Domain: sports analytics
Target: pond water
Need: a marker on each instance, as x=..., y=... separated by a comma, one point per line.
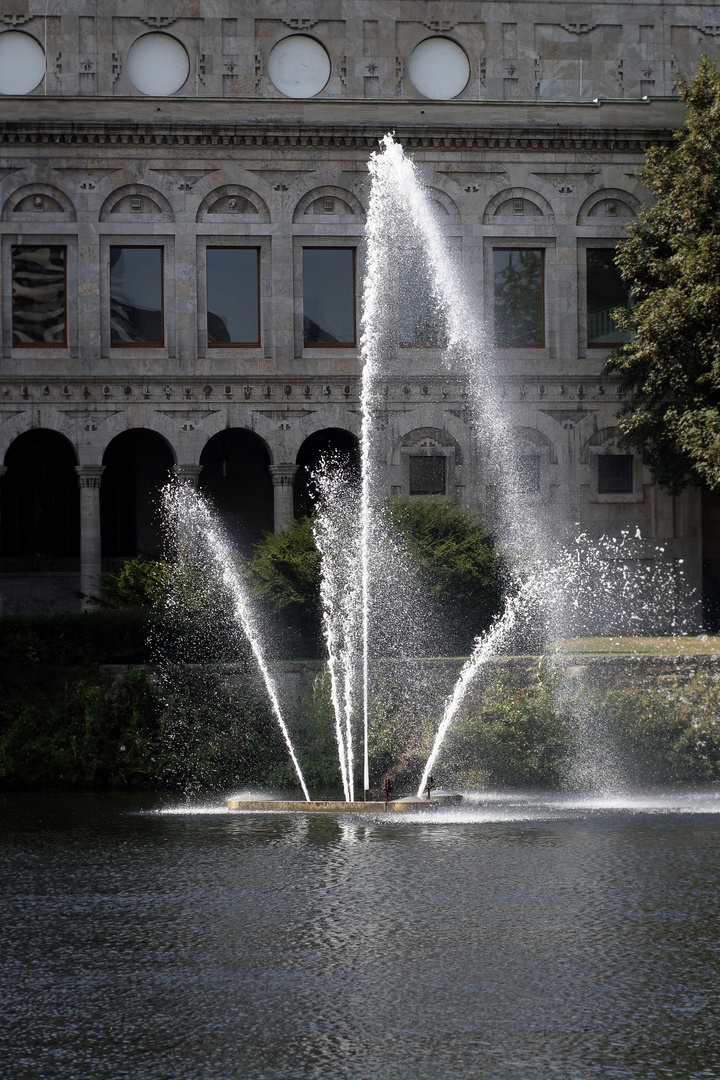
x=518, y=937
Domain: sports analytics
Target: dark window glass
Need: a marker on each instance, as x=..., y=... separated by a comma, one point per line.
x=615, y=474
x=519, y=307
x=427, y=475
x=527, y=471
x=136, y=296
x=605, y=290
x=421, y=319
x=329, y=296
x=38, y=295
x=233, y=296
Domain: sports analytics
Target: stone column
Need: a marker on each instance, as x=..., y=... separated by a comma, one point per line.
x=3, y=470
x=188, y=474
x=89, y=477
x=282, y=478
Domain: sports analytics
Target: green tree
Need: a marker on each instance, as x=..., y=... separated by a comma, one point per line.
x=286, y=575
x=459, y=562
x=670, y=367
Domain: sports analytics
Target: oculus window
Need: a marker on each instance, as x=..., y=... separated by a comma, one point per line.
x=439, y=68
x=299, y=66
x=22, y=62
x=136, y=296
x=605, y=290
x=427, y=474
x=38, y=295
x=233, y=296
x=615, y=474
x=519, y=297
x=421, y=319
x=329, y=296
x=157, y=64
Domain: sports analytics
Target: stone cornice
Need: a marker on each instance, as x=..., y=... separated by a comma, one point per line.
x=526, y=136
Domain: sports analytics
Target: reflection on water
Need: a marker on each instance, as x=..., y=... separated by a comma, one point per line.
x=523, y=937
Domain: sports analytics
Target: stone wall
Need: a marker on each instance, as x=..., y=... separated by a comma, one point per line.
x=554, y=120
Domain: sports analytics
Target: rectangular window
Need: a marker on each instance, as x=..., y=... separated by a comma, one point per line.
x=38, y=296
x=615, y=474
x=605, y=290
x=233, y=296
x=136, y=296
x=427, y=475
x=519, y=297
x=527, y=474
x=421, y=320
x=329, y=297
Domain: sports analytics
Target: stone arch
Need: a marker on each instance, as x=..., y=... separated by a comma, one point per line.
x=502, y=206
x=601, y=439
x=138, y=463
x=159, y=423
x=444, y=204
x=427, y=458
x=427, y=436
x=235, y=476
x=38, y=202
x=52, y=420
x=533, y=437
x=345, y=204
x=218, y=205
x=321, y=443
x=608, y=206
x=40, y=502
x=136, y=201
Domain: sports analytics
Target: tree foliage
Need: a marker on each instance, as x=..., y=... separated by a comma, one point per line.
x=459, y=562
x=671, y=366
x=454, y=552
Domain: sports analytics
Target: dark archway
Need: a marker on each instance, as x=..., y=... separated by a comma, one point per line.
x=335, y=444
x=138, y=463
x=235, y=477
x=40, y=504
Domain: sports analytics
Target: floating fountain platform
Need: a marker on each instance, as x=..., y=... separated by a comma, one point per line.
x=301, y=806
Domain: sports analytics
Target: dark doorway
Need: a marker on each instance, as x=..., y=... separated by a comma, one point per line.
x=334, y=444
x=711, y=560
x=40, y=504
x=235, y=477
x=138, y=464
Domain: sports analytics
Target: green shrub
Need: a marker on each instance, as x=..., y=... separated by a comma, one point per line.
x=515, y=739
x=75, y=730
x=216, y=734
x=139, y=583
x=459, y=563
x=95, y=637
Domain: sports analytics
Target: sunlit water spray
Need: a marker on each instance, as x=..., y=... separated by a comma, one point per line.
x=194, y=528
x=561, y=584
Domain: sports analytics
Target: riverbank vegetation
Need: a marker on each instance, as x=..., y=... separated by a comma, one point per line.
x=196, y=728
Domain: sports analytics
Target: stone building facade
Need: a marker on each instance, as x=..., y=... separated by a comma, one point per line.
x=136, y=146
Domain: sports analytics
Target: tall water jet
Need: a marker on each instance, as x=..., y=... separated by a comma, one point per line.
x=336, y=529
x=194, y=528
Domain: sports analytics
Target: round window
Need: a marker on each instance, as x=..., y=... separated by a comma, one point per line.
x=299, y=66
x=157, y=64
x=439, y=68
x=22, y=63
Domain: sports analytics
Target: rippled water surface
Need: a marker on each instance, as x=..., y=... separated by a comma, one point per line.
x=513, y=938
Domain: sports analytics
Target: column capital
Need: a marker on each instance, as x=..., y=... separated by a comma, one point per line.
x=283, y=475
x=89, y=476
x=3, y=470
x=187, y=474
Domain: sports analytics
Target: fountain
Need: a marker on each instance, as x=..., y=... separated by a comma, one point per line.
x=559, y=581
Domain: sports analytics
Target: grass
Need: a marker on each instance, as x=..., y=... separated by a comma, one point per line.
x=695, y=645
